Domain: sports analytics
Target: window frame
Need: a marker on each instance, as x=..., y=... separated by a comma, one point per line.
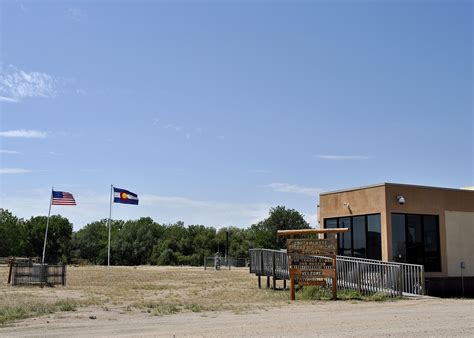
x=366, y=226
x=422, y=217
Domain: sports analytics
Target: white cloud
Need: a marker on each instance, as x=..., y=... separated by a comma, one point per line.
x=13, y=171
x=23, y=133
x=343, y=157
x=81, y=91
x=4, y=151
x=295, y=189
x=7, y=99
x=17, y=84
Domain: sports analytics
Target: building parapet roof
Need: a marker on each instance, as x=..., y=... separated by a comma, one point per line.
x=393, y=184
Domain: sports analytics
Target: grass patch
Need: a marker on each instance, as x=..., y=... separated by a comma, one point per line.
x=66, y=305
x=9, y=313
x=194, y=307
x=323, y=293
x=166, y=309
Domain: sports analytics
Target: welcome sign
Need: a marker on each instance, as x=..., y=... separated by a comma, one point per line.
x=312, y=261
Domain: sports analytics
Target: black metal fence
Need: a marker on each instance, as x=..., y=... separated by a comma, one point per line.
x=22, y=273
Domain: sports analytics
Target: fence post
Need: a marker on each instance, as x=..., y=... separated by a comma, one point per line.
x=423, y=291
x=400, y=280
x=10, y=265
x=358, y=277
x=274, y=270
x=205, y=262
x=64, y=274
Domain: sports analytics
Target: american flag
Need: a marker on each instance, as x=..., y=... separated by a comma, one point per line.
x=63, y=198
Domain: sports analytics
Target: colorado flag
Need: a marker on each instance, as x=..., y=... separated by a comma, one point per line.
x=125, y=196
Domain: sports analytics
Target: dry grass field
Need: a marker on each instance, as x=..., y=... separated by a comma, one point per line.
x=155, y=290
x=191, y=301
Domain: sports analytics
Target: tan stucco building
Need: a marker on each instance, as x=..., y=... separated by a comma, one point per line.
x=408, y=223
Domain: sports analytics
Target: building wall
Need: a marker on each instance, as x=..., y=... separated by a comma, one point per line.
x=361, y=202
x=460, y=242
x=429, y=201
x=419, y=200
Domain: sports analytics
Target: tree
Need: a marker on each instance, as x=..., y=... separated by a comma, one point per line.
x=12, y=234
x=91, y=242
x=59, y=238
x=264, y=233
x=136, y=241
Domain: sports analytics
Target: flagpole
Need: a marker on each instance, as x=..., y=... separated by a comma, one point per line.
x=110, y=218
x=47, y=224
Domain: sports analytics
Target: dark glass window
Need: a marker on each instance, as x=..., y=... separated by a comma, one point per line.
x=431, y=243
x=398, y=238
x=330, y=223
x=345, y=240
x=374, y=237
x=415, y=239
x=364, y=238
x=359, y=236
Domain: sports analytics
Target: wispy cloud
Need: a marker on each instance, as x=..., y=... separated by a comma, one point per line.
x=260, y=171
x=293, y=188
x=172, y=126
x=4, y=151
x=75, y=14
x=17, y=84
x=14, y=171
x=23, y=133
x=343, y=157
x=8, y=99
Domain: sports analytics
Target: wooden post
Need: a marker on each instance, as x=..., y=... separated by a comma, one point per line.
x=268, y=282
x=292, y=288
x=284, y=283
x=10, y=270
x=259, y=281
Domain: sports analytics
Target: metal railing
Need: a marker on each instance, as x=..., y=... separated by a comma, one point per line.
x=367, y=276
x=213, y=261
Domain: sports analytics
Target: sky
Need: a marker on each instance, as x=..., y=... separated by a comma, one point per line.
x=214, y=112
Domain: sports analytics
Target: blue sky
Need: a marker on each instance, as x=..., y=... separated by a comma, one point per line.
x=212, y=112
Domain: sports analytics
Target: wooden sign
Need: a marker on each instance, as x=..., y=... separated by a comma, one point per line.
x=311, y=261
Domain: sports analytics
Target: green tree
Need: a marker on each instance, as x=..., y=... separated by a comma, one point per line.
x=264, y=233
x=91, y=242
x=136, y=241
x=59, y=238
x=12, y=234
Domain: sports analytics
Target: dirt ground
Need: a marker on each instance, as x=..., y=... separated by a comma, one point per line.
x=151, y=301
